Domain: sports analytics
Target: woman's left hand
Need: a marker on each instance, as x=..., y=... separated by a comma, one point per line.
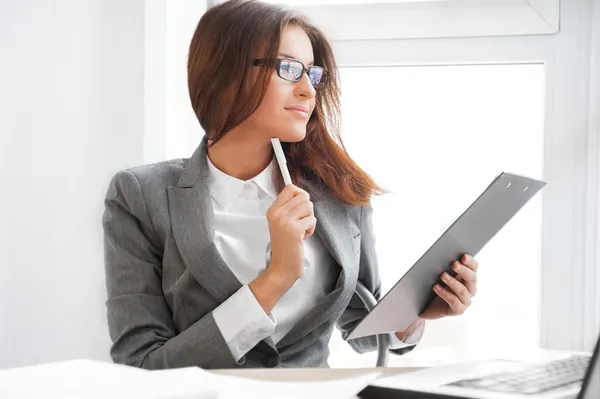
x=456, y=298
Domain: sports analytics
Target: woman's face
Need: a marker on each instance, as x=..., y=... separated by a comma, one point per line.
x=287, y=106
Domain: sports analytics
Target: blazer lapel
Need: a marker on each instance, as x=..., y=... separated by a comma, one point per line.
x=335, y=230
x=192, y=221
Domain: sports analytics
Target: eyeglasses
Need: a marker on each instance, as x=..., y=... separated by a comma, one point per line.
x=292, y=70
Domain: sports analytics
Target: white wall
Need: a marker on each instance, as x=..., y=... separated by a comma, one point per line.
x=71, y=114
x=592, y=285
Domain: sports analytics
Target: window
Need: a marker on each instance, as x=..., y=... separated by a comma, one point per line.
x=436, y=137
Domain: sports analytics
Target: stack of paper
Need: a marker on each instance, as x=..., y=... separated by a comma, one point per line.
x=92, y=379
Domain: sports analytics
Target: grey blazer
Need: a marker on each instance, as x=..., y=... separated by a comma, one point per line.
x=164, y=274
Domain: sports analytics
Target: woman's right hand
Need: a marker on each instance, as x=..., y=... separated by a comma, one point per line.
x=291, y=221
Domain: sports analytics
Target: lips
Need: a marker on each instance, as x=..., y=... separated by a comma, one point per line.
x=301, y=109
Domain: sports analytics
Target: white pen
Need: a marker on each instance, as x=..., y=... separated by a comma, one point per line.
x=281, y=161
x=287, y=179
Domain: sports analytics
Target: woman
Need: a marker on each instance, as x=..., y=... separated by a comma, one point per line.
x=191, y=280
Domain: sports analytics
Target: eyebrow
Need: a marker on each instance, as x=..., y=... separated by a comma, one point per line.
x=291, y=56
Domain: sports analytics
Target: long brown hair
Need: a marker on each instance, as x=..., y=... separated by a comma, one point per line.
x=221, y=54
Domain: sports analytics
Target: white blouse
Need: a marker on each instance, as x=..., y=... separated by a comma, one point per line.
x=242, y=237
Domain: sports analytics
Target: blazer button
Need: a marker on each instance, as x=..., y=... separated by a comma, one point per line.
x=273, y=361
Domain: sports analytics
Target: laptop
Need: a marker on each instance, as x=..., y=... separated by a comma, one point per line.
x=575, y=376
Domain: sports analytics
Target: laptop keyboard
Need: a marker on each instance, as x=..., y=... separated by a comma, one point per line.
x=534, y=380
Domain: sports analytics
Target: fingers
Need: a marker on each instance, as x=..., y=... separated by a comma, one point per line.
x=468, y=277
x=460, y=289
x=302, y=210
x=457, y=288
x=293, y=203
x=288, y=199
x=304, y=213
x=455, y=304
x=470, y=262
x=290, y=191
x=293, y=206
x=456, y=295
x=308, y=224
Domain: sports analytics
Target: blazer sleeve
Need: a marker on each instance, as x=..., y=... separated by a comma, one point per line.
x=139, y=320
x=369, y=276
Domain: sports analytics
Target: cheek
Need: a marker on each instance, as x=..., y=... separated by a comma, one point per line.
x=270, y=103
x=269, y=112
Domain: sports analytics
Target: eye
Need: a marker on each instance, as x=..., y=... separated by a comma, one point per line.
x=315, y=74
x=295, y=69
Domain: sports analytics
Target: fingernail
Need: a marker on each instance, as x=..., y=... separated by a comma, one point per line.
x=467, y=258
x=456, y=267
x=437, y=287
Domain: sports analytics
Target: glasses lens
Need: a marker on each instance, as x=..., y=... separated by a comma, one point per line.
x=291, y=70
x=318, y=76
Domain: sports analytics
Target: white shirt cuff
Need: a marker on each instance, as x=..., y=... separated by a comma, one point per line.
x=412, y=339
x=243, y=322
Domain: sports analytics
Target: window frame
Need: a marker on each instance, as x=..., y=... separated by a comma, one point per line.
x=436, y=19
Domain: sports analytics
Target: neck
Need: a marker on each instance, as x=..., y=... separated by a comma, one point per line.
x=242, y=156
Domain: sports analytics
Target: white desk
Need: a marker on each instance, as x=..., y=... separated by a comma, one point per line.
x=310, y=374
x=100, y=380
x=320, y=374
x=324, y=374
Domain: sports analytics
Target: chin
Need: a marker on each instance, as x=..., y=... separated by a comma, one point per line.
x=293, y=136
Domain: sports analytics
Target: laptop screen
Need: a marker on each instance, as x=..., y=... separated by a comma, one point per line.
x=591, y=383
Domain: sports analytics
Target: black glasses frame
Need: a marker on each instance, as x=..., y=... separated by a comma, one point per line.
x=276, y=62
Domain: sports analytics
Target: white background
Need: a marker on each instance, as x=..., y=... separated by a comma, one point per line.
x=92, y=87
x=71, y=115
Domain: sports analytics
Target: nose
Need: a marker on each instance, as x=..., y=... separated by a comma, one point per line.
x=304, y=87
